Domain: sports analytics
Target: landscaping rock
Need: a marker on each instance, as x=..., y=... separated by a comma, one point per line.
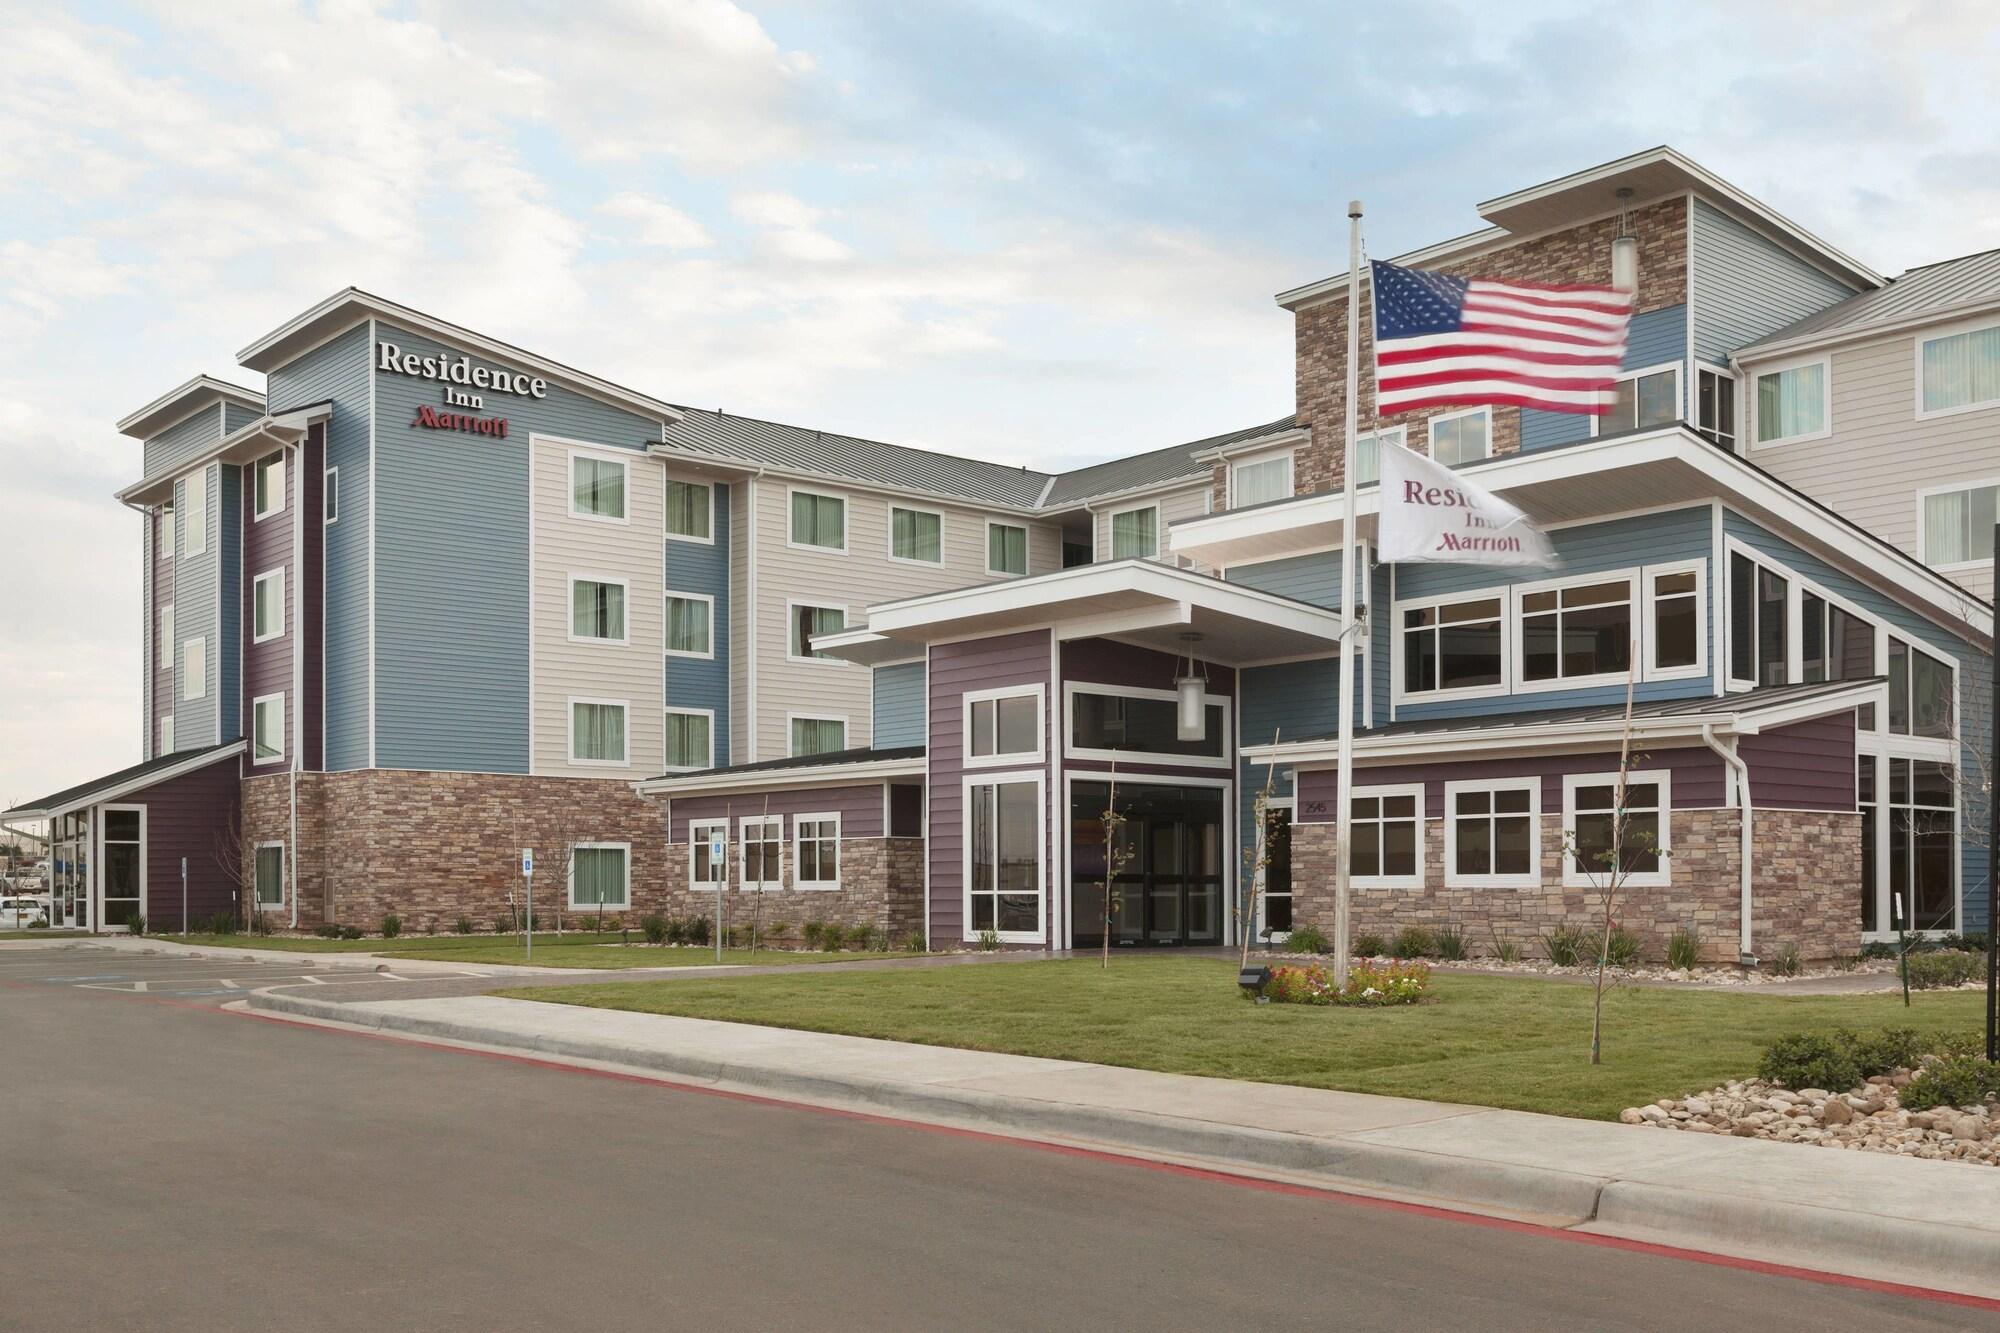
x=1836, y=1112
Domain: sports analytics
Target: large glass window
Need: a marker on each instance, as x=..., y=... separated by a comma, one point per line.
x=270, y=886
x=1961, y=370
x=689, y=509
x=600, y=875
x=916, y=535
x=1958, y=525
x=1865, y=802
x=688, y=739
x=763, y=842
x=1260, y=481
x=690, y=629
x=124, y=869
x=1003, y=727
x=1135, y=534
x=1642, y=842
x=268, y=482
x=194, y=508
x=1652, y=399
x=1578, y=631
x=1920, y=693
x=1386, y=828
x=704, y=873
x=1461, y=437
x=1715, y=408
x=597, y=487
x=1677, y=620
x=1742, y=618
x=1453, y=646
x=1004, y=843
x=1006, y=548
x=1133, y=724
x=818, y=735
x=1923, y=844
x=267, y=729
x=597, y=609
x=810, y=620
x=267, y=606
x=1773, y=593
x=1492, y=832
x=1791, y=403
x=819, y=520
x=817, y=853
x=1368, y=453
x=596, y=732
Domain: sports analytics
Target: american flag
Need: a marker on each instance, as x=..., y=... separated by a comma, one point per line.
x=1441, y=340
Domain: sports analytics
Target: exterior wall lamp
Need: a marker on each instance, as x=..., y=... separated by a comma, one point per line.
x=1191, y=697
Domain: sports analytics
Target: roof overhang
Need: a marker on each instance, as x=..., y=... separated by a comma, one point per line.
x=178, y=404
x=780, y=779
x=1758, y=353
x=1296, y=435
x=242, y=445
x=1602, y=479
x=350, y=305
x=1142, y=602
x=113, y=788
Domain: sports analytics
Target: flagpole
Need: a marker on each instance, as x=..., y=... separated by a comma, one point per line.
x=1344, y=770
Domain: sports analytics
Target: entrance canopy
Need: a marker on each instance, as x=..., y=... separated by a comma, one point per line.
x=1136, y=601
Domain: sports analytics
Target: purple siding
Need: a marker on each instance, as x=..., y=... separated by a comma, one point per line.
x=267, y=667
x=161, y=663
x=1807, y=766
x=1698, y=778
x=1103, y=662
x=311, y=570
x=859, y=806
x=954, y=670
x=189, y=816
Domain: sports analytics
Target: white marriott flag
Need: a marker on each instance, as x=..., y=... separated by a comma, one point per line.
x=1432, y=514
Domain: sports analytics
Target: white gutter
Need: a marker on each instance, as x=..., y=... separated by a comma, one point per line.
x=297, y=645
x=780, y=779
x=1741, y=772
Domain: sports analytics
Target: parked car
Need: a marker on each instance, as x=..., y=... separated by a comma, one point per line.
x=21, y=912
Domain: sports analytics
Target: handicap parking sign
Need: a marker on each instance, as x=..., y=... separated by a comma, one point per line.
x=716, y=848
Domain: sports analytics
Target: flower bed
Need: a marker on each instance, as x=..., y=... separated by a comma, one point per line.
x=1367, y=984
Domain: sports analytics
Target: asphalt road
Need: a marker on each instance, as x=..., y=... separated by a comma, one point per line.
x=168, y=1164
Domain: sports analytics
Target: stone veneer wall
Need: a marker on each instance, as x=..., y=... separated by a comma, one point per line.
x=1806, y=889
x=881, y=885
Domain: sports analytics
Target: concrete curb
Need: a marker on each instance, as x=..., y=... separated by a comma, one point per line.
x=335, y=959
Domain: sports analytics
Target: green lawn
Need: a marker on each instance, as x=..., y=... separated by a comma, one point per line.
x=571, y=949
x=1492, y=1041
x=42, y=934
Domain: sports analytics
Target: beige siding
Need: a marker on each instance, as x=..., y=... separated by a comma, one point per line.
x=1879, y=455
x=1190, y=501
x=565, y=544
x=862, y=577
x=740, y=598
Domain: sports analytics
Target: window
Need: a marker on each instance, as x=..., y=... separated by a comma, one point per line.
x=600, y=875
x=267, y=606
x=1865, y=802
x=1959, y=370
x=1003, y=725
x=1003, y=855
x=1453, y=645
x=165, y=656
x=597, y=731
x=268, y=483
x=1590, y=806
x=1386, y=826
x=1644, y=398
x=690, y=625
x=763, y=843
x=267, y=728
x=689, y=733
x=1006, y=548
x=1792, y=403
x=1677, y=638
x=597, y=488
x=702, y=872
x=1461, y=437
x=1135, y=534
x=1759, y=602
x=333, y=495
x=1104, y=725
x=819, y=521
x=690, y=511
x=167, y=531
x=1492, y=838
x=818, y=735
x=1576, y=632
x=916, y=535
x=1923, y=844
x=167, y=734
x=1920, y=693
x=270, y=887
x=1260, y=480
x=597, y=609
x=816, y=852
x=1368, y=453
x=1715, y=407
x=194, y=504
x=1957, y=526
x=810, y=620
x=1773, y=593
x=194, y=669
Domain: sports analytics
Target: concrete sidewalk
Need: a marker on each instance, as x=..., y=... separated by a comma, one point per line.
x=1934, y=1224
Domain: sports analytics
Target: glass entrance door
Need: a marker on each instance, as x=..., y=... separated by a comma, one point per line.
x=69, y=872
x=1167, y=887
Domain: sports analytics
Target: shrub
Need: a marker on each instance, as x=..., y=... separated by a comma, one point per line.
x=136, y=924
x=39, y=923
x=1931, y=971
x=1788, y=963
x=1891, y=1048
x=463, y=925
x=777, y=930
x=698, y=930
x=327, y=930
x=1309, y=939
x=1970, y=942
x=1450, y=944
x=912, y=942
x=677, y=930
x=989, y=939
x=1366, y=945
x=223, y=923
x=1414, y=942
x=350, y=932
x=1507, y=951
x=654, y=927
x=1565, y=945
x=1622, y=948
x=392, y=926
x=1684, y=948
x=1367, y=984
x=1951, y=1080
x=1878, y=949
x=1812, y=1060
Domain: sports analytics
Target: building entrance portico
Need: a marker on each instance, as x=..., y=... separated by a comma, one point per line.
x=1168, y=888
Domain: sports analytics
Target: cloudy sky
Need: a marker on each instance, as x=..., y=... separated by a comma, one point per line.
x=1043, y=232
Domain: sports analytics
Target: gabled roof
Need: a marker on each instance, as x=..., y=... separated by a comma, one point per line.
x=123, y=782
x=1923, y=295
x=185, y=400
x=1174, y=463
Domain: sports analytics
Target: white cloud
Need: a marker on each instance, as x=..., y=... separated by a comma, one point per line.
x=656, y=222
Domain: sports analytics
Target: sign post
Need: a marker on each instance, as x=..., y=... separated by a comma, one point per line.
x=528, y=873
x=1993, y=850
x=184, y=895
x=718, y=852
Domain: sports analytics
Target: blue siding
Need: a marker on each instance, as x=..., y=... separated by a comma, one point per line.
x=1316, y=578
x=337, y=371
x=1680, y=534
x=180, y=442
x=691, y=567
x=1657, y=337
x=451, y=567
x=1290, y=700
x=235, y=417
x=229, y=616
x=899, y=705
x=1546, y=430
x=1746, y=286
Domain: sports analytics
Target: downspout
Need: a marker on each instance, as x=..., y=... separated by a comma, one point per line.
x=296, y=642
x=1741, y=771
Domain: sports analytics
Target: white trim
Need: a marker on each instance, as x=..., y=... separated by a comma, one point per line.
x=214, y=391
x=1975, y=325
x=257, y=904
x=625, y=903
x=1648, y=626
x=571, y=579
x=1072, y=688
x=698, y=847
x=198, y=678
x=764, y=823
x=709, y=714
x=846, y=518
x=1111, y=517
x=799, y=881
x=1027, y=549
x=1923, y=532
x=708, y=598
x=791, y=717
x=667, y=509
x=1001, y=778
x=792, y=604
x=1286, y=455
x=1414, y=880
x=791, y=777
x=889, y=548
x=1288, y=437
x=1010, y=758
x=1752, y=429
x=1433, y=422
x=569, y=728
x=1575, y=876
x=1533, y=878
x=256, y=705
x=599, y=453
x=255, y=584
x=284, y=479
x=1643, y=372
x=102, y=862
x=1634, y=602
x=329, y=495
x=1398, y=658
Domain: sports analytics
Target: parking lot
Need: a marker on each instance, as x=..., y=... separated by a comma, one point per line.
x=186, y=979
